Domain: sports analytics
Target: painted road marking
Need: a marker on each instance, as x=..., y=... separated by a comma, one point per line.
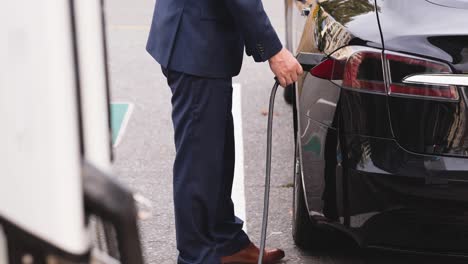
x=120, y=115
x=238, y=193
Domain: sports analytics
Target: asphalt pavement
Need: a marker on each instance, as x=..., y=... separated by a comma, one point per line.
x=143, y=159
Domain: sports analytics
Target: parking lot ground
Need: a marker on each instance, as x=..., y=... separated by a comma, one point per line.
x=145, y=153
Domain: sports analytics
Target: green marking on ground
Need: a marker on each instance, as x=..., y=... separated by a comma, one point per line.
x=118, y=112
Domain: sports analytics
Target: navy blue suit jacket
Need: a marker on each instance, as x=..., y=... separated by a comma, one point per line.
x=207, y=37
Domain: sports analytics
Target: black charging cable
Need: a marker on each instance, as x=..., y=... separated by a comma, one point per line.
x=266, y=199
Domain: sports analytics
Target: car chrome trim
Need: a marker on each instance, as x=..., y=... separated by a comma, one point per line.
x=438, y=79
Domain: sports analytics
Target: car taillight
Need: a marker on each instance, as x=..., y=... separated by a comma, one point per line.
x=324, y=70
x=402, y=66
x=362, y=69
x=354, y=69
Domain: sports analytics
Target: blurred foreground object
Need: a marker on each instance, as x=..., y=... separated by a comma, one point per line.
x=58, y=201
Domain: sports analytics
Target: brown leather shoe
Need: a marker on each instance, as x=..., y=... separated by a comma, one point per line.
x=250, y=254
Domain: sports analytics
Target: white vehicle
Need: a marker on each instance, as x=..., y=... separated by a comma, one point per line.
x=55, y=136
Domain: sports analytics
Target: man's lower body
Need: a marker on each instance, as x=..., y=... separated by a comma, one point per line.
x=208, y=232
x=206, y=226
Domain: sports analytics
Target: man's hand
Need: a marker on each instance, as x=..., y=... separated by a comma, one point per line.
x=285, y=67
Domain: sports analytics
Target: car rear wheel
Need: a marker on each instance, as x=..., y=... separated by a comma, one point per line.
x=306, y=233
x=302, y=227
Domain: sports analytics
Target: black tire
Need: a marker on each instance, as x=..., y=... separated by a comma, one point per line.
x=306, y=233
x=302, y=227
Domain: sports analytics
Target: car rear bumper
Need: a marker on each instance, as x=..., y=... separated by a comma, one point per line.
x=393, y=198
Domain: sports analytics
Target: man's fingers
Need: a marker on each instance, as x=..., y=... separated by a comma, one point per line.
x=289, y=81
x=299, y=70
x=294, y=76
x=286, y=68
x=282, y=81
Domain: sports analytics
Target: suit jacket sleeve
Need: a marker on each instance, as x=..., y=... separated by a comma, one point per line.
x=260, y=38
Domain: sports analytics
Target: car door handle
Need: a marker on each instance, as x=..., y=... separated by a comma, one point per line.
x=438, y=79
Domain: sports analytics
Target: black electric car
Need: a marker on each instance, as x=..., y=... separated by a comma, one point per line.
x=381, y=123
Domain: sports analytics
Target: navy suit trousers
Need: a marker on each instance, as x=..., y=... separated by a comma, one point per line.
x=206, y=225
